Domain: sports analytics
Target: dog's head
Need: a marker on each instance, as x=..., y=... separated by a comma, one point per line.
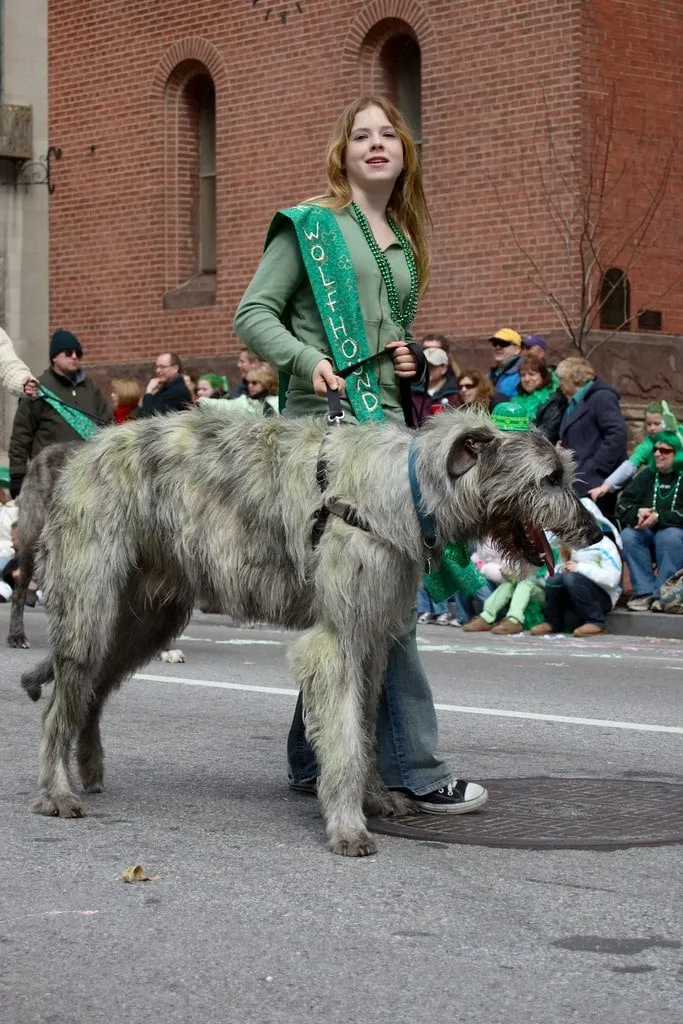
x=513, y=487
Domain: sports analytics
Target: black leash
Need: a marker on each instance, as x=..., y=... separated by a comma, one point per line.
x=335, y=418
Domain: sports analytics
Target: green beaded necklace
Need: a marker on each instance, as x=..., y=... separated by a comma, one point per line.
x=660, y=488
x=405, y=316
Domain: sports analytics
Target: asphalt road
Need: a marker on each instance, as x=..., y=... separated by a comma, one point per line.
x=252, y=920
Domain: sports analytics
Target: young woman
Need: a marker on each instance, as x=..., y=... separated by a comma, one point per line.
x=345, y=272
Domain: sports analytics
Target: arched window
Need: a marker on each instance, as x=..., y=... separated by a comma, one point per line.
x=400, y=60
x=615, y=300
x=190, y=124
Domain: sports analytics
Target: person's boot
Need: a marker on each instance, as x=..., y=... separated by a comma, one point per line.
x=589, y=629
x=542, y=629
x=477, y=625
x=507, y=627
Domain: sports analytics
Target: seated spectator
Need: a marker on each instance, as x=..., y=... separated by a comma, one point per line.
x=246, y=361
x=522, y=598
x=585, y=586
x=441, y=388
x=211, y=385
x=474, y=389
x=593, y=427
x=650, y=513
x=506, y=346
x=11, y=571
x=125, y=399
x=167, y=390
x=438, y=341
x=658, y=416
x=262, y=386
x=487, y=560
x=535, y=345
x=536, y=385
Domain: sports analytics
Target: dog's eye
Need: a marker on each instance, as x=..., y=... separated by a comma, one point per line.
x=554, y=478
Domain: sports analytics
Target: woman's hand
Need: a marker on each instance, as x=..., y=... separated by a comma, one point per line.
x=324, y=379
x=598, y=492
x=405, y=363
x=30, y=387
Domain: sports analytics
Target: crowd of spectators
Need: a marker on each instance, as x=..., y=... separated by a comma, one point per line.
x=637, y=501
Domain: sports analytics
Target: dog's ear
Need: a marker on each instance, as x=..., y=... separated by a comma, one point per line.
x=466, y=450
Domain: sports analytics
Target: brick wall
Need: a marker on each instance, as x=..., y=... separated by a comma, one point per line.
x=493, y=76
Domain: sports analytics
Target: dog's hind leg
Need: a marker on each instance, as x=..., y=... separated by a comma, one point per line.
x=334, y=691
x=140, y=632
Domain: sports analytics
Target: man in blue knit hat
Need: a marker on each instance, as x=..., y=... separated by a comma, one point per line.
x=69, y=407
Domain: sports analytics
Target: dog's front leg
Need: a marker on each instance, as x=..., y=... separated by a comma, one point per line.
x=331, y=676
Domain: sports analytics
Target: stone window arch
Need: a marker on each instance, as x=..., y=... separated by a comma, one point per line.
x=191, y=233
x=391, y=64
x=615, y=300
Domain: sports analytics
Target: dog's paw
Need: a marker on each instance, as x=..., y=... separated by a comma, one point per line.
x=362, y=845
x=18, y=640
x=65, y=805
x=387, y=803
x=173, y=657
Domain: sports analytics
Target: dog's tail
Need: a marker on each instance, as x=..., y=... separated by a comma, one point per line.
x=33, y=681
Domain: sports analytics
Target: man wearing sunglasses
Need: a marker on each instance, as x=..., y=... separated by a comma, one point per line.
x=650, y=513
x=69, y=407
x=506, y=346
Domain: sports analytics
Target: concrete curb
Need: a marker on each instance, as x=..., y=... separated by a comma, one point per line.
x=620, y=622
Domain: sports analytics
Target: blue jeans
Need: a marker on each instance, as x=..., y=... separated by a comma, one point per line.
x=643, y=547
x=425, y=604
x=568, y=592
x=406, y=726
x=467, y=607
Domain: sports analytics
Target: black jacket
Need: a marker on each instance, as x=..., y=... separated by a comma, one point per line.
x=549, y=416
x=37, y=424
x=595, y=430
x=171, y=397
x=640, y=493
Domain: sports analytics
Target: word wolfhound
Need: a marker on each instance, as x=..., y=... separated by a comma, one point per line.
x=214, y=503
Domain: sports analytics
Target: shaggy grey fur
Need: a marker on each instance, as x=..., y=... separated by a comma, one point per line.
x=151, y=514
x=36, y=491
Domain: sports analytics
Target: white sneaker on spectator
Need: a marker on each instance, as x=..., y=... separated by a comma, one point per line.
x=640, y=604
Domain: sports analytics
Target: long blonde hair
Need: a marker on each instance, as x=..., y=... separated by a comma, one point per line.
x=407, y=203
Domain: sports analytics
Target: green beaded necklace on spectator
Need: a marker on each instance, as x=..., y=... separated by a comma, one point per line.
x=405, y=316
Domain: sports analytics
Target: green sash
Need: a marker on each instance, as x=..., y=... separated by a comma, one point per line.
x=76, y=419
x=333, y=281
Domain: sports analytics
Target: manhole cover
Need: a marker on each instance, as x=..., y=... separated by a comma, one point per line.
x=565, y=814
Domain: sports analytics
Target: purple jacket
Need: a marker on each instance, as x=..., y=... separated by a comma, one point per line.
x=595, y=430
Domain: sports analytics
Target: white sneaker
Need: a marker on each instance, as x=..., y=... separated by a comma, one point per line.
x=640, y=604
x=458, y=797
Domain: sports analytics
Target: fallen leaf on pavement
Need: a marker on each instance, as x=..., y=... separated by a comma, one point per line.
x=137, y=874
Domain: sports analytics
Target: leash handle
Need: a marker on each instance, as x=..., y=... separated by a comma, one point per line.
x=335, y=413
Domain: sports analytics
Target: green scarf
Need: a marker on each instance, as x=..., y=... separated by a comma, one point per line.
x=77, y=420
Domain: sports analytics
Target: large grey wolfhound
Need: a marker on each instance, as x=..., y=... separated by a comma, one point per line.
x=214, y=503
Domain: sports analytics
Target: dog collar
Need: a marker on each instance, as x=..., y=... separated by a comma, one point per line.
x=427, y=524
